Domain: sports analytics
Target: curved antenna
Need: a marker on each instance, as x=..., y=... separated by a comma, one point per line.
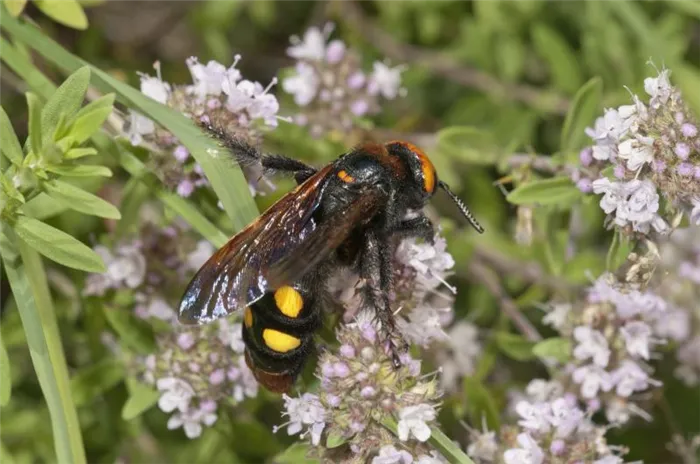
x=462, y=207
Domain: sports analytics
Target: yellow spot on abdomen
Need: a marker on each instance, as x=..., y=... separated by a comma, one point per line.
x=345, y=177
x=280, y=341
x=248, y=318
x=289, y=301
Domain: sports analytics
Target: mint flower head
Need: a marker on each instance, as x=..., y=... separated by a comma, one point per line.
x=360, y=389
x=652, y=151
x=329, y=85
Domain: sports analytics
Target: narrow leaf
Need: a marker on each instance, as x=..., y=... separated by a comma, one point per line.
x=88, y=124
x=295, y=454
x=141, y=398
x=105, y=101
x=584, y=109
x=35, y=125
x=75, y=153
x=42, y=207
x=57, y=245
x=480, y=403
x=469, y=144
x=96, y=379
x=15, y=7
x=10, y=144
x=67, y=99
x=439, y=440
x=80, y=200
x=67, y=12
x=561, y=59
x=554, y=191
x=5, y=378
x=27, y=278
x=80, y=170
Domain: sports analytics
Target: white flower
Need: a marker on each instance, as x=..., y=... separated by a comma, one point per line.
x=592, y=379
x=659, y=88
x=303, y=85
x=565, y=417
x=388, y=454
x=312, y=47
x=629, y=378
x=434, y=458
x=197, y=257
x=191, y=421
x=637, y=335
x=604, y=151
x=155, y=88
x=557, y=315
x=609, y=459
x=636, y=152
x=175, y=394
x=484, y=447
x=675, y=324
x=528, y=453
x=695, y=212
x=688, y=356
x=139, y=125
x=591, y=344
x=160, y=309
x=615, y=194
x=423, y=325
x=385, y=80
x=412, y=421
x=129, y=266
x=207, y=79
x=540, y=390
x=231, y=334
x=306, y=411
x=643, y=203
x=464, y=351
x=611, y=127
x=432, y=262
x=535, y=417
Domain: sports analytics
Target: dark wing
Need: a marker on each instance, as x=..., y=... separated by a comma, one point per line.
x=285, y=242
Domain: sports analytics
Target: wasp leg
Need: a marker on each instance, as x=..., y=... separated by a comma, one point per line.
x=420, y=227
x=377, y=270
x=246, y=154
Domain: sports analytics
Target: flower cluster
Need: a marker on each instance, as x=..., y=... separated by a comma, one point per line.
x=360, y=389
x=614, y=332
x=218, y=95
x=194, y=369
x=652, y=149
x=330, y=86
x=552, y=429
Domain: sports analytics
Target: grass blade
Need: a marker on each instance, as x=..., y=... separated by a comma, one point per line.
x=25, y=272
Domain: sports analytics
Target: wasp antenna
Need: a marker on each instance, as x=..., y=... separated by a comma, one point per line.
x=462, y=207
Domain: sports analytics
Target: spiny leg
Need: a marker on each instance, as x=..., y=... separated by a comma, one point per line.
x=420, y=227
x=246, y=154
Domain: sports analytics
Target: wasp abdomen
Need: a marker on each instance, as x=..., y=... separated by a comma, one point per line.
x=278, y=332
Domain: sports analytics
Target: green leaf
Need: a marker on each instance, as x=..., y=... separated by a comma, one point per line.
x=133, y=332
x=470, y=144
x=584, y=109
x=10, y=144
x=105, y=101
x=5, y=378
x=75, y=153
x=80, y=200
x=554, y=191
x=225, y=177
x=35, y=125
x=96, y=379
x=20, y=64
x=561, y=59
x=335, y=440
x=515, y=346
x=480, y=403
x=80, y=170
x=15, y=7
x=67, y=12
x=27, y=278
x=558, y=348
x=89, y=123
x=57, y=245
x=295, y=454
x=141, y=398
x=42, y=207
x=67, y=99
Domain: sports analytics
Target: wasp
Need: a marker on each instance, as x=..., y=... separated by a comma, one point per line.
x=345, y=214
